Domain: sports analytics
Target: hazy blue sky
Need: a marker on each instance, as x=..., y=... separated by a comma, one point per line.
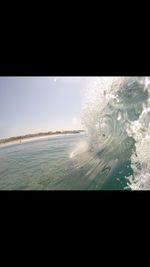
x=34, y=104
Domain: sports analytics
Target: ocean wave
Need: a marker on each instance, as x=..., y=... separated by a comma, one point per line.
x=115, y=117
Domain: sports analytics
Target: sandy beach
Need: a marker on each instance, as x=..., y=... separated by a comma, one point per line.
x=34, y=139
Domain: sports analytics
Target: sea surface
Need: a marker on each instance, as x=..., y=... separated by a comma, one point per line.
x=47, y=164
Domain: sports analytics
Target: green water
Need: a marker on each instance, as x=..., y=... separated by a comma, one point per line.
x=46, y=165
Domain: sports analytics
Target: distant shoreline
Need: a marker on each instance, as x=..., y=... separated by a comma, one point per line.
x=19, y=139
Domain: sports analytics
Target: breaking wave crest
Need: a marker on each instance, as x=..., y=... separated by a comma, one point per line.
x=116, y=116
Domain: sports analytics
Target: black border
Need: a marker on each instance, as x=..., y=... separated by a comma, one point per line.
x=83, y=62
x=113, y=204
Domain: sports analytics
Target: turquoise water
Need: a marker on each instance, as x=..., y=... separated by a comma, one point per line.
x=46, y=165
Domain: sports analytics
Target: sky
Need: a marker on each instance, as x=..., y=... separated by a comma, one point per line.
x=40, y=104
